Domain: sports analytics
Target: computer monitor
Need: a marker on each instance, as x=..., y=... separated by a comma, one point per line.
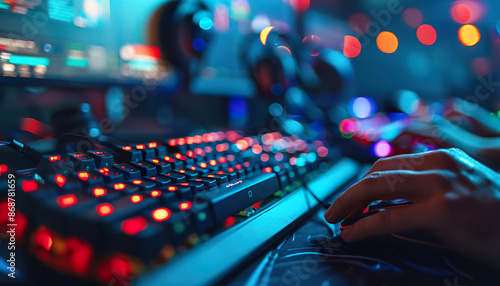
x=77, y=42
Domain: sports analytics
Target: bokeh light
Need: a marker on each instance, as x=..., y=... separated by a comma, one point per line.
x=313, y=44
x=426, y=34
x=300, y=5
x=347, y=128
x=466, y=11
x=264, y=33
x=359, y=23
x=352, y=47
x=206, y=23
x=469, y=35
x=387, y=42
x=412, y=17
x=362, y=107
x=382, y=149
x=461, y=13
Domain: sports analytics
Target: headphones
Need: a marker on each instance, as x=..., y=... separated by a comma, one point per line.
x=182, y=31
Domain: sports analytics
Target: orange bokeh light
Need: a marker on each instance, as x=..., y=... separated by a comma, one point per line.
x=387, y=42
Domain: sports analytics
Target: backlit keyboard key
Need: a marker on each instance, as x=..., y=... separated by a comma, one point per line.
x=110, y=176
x=190, y=174
x=129, y=173
x=194, y=186
x=143, y=184
x=174, y=177
x=102, y=159
x=82, y=162
x=162, y=166
x=209, y=183
x=146, y=168
x=221, y=179
x=160, y=181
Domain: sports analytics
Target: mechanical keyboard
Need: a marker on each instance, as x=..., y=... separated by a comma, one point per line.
x=182, y=211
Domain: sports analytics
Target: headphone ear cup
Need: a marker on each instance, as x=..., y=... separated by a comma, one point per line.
x=329, y=73
x=180, y=37
x=271, y=66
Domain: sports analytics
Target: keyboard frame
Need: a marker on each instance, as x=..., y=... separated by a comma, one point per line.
x=215, y=259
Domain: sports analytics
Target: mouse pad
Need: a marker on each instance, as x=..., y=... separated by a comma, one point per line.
x=316, y=255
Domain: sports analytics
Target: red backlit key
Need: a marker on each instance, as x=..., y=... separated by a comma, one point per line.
x=190, y=174
x=137, y=237
x=162, y=166
x=89, y=178
x=65, y=184
x=174, y=163
x=125, y=188
x=143, y=184
x=194, y=186
x=199, y=170
x=129, y=173
x=102, y=159
x=110, y=175
x=239, y=172
x=147, y=152
x=197, y=212
x=230, y=175
x=82, y=162
x=160, y=181
x=180, y=191
x=146, y=168
x=125, y=154
x=209, y=183
x=100, y=220
x=175, y=224
x=174, y=177
x=221, y=179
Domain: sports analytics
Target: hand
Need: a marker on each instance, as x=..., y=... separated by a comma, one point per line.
x=453, y=196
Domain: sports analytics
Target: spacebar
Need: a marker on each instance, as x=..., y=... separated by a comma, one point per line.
x=235, y=196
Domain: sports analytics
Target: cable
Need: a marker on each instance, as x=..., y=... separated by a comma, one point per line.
x=323, y=204
x=30, y=153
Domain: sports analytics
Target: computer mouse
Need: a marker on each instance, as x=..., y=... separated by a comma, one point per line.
x=420, y=237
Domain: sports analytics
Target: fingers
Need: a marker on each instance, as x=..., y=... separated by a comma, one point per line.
x=387, y=185
x=434, y=160
x=397, y=220
x=483, y=120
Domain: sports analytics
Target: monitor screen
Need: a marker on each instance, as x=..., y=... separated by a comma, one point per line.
x=77, y=41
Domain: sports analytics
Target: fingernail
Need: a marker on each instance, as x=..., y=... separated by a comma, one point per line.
x=328, y=213
x=346, y=232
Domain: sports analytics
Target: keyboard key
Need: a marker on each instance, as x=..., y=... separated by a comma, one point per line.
x=145, y=168
x=129, y=173
x=234, y=197
x=82, y=162
x=194, y=186
x=209, y=183
x=174, y=177
x=162, y=166
x=144, y=184
x=102, y=159
x=175, y=164
x=147, y=152
x=190, y=174
x=221, y=179
x=160, y=181
x=110, y=176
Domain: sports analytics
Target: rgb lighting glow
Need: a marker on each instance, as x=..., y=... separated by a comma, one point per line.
x=352, y=47
x=469, y=35
x=161, y=214
x=382, y=149
x=264, y=33
x=426, y=34
x=387, y=42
